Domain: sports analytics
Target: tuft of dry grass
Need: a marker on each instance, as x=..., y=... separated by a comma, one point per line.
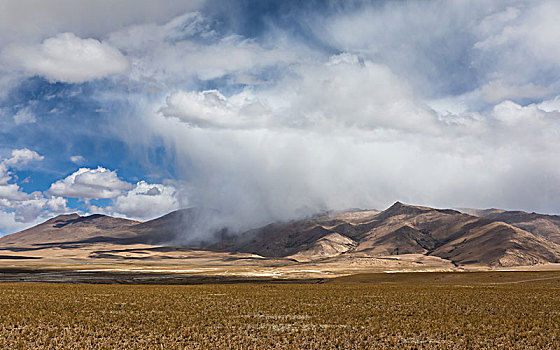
x=452, y=311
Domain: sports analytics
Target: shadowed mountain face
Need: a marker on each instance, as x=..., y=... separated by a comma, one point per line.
x=401, y=229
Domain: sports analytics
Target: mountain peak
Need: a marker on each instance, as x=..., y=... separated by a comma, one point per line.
x=401, y=208
x=65, y=217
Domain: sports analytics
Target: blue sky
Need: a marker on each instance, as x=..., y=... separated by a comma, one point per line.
x=270, y=110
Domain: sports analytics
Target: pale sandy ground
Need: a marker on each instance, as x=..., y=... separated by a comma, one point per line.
x=143, y=259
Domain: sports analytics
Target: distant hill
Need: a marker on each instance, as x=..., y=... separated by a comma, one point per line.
x=546, y=226
x=494, y=238
x=73, y=228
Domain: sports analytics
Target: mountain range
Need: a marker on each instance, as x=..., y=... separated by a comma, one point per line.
x=467, y=237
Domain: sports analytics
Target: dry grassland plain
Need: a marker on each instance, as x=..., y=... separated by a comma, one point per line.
x=508, y=310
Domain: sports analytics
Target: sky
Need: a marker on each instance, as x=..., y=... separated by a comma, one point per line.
x=273, y=110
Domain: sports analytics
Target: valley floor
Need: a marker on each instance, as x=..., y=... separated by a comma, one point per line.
x=510, y=310
x=138, y=263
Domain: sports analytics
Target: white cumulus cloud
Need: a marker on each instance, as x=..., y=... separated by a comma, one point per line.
x=90, y=183
x=67, y=58
x=19, y=209
x=342, y=92
x=23, y=156
x=147, y=201
x=211, y=109
x=19, y=157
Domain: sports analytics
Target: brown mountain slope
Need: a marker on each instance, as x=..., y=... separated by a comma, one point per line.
x=431, y=227
x=327, y=246
x=401, y=229
x=449, y=234
x=546, y=226
x=404, y=240
x=289, y=238
x=165, y=229
x=72, y=228
x=498, y=244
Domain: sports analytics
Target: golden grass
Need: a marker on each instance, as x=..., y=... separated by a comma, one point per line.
x=483, y=310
